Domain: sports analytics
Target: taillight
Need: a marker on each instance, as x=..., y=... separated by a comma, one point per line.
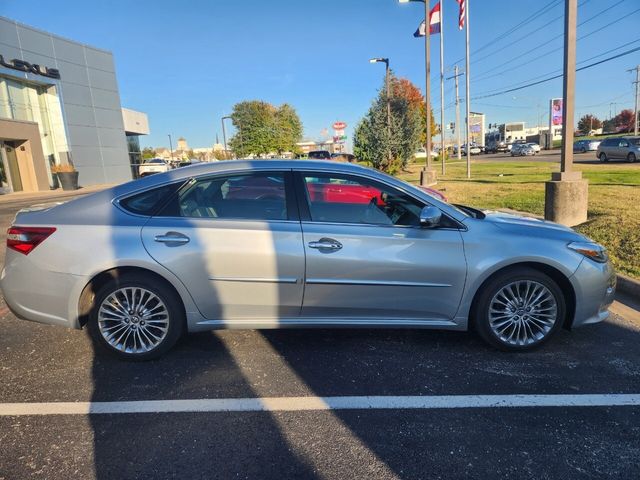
x=25, y=239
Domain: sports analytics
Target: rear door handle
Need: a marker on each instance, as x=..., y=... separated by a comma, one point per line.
x=326, y=244
x=175, y=238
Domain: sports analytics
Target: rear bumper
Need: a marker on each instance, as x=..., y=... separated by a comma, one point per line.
x=595, y=286
x=38, y=295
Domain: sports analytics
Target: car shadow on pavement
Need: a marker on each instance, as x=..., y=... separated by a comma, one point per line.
x=421, y=443
x=185, y=445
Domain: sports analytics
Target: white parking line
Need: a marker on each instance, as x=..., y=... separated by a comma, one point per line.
x=292, y=404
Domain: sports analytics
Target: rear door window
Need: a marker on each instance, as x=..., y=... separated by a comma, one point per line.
x=254, y=196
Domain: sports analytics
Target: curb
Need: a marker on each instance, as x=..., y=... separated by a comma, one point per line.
x=628, y=286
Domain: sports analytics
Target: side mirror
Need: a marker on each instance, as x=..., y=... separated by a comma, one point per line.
x=430, y=217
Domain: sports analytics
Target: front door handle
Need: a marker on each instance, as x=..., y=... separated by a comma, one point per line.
x=175, y=238
x=326, y=244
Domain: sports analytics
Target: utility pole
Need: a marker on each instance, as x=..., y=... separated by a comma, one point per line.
x=224, y=136
x=637, y=82
x=566, y=195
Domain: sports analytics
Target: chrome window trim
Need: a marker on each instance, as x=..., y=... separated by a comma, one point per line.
x=303, y=172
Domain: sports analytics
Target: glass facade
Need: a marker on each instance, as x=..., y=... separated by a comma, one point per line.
x=135, y=154
x=25, y=101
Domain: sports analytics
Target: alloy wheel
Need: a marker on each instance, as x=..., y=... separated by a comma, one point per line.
x=133, y=320
x=522, y=313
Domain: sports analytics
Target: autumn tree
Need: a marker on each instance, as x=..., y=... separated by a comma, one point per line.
x=624, y=120
x=589, y=122
x=389, y=149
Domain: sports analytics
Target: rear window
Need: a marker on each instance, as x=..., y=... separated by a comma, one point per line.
x=149, y=202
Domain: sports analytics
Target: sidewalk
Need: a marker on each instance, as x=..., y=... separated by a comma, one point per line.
x=49, y=195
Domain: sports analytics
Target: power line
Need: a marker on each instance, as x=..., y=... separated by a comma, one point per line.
x=528, y=35
x=557, y=76
x=503, y=35
x=484, y=76
x=583, y=61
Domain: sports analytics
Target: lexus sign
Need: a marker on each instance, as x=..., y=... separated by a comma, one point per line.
x=22, y=66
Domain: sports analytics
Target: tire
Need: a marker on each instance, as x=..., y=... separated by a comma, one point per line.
x=497, y=331
x=146, y=335
x=584, y=150
x=603, y=157
x=631, y=158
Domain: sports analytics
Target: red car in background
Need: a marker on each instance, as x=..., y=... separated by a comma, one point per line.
x=272, y=188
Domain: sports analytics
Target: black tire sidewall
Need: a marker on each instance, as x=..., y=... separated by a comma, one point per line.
x=480, y=314
x=603, y=157
x=159, y=288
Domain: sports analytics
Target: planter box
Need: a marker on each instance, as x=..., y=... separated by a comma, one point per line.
x=68, y=180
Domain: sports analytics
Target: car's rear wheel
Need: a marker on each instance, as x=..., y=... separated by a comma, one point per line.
x=583, y=150
x=519, y=310
x=631, y=157
x=135, y=318
x=603, y=157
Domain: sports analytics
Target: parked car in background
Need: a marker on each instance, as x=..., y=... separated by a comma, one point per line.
x=153, y=165
x=619, y=148
x=535, y=146
x=474, y=150
x=497, y=146
x=422, y=153
x=282, y=243
x=584, y=146
x=319, y=155
x=433, y=192
x=522, y=149
x=343, y=157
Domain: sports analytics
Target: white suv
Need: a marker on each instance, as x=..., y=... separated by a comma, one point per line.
x=153, y=165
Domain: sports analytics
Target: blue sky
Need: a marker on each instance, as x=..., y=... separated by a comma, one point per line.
x=186, y=63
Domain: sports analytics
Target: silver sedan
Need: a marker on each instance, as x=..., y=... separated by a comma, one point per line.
x=274, y=244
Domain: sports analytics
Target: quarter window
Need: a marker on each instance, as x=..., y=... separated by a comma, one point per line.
x=149, y=202
x=258, y=196
x=347, y=199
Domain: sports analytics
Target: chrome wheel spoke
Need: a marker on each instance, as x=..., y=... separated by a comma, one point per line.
x=133, y=320
x=522, y=312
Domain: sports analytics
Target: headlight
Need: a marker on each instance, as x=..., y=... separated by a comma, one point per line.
x=592, y=250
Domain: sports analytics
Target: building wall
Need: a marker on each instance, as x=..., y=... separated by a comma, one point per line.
x=89, y=95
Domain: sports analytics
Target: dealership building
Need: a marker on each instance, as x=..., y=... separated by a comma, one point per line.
x=59, y=104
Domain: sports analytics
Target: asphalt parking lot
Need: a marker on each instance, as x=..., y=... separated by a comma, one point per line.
x=42, y=365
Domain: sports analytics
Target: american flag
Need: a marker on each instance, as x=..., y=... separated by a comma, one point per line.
x=461, y=16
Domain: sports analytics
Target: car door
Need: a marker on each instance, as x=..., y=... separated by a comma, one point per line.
x=623, y=148
x=235, y=242
x=367, y=256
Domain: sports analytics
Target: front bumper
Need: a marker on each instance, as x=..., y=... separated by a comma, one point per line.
x=595, y=286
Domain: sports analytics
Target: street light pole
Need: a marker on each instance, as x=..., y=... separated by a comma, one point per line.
x=170, y=146
x=224, y=135
x=388, y=94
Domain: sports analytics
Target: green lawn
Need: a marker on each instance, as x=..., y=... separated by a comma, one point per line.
x=614, y=198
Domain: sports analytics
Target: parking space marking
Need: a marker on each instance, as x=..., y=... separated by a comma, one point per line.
x=293, y=404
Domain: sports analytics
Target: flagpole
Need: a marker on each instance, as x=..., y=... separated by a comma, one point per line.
x=427, y=101
x=442, y=149
x=468, y=102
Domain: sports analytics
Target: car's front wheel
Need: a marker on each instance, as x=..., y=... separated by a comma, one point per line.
x=603, y=157
x=519, y=310
x=136, y=318
x=631, y=158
